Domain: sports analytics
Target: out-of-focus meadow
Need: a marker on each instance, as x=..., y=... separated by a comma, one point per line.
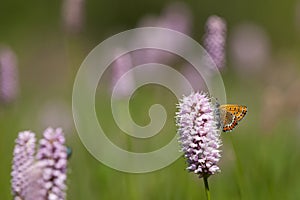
x=260, y=158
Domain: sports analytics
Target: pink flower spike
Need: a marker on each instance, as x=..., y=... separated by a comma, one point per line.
x=199, y=135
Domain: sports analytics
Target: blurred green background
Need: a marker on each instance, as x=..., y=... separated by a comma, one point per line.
x=260, y=157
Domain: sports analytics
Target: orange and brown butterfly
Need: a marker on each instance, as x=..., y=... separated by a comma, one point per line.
x=229, y=115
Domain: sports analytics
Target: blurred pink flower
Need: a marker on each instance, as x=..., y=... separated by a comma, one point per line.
x=175, y=16
x=120, y=66
x=23, y=158
x=73, y=15
x=9, y=81
x=34, y=188
x=215, y=39
x=52, y=154
x=249, y=48
x=199, y=135
x=42, y=176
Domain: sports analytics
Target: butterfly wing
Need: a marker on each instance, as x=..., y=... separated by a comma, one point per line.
x=230, y=115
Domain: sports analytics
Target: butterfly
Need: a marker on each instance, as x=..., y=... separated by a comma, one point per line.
x=229, y=115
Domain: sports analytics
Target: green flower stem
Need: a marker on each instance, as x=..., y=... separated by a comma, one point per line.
x=205, y=179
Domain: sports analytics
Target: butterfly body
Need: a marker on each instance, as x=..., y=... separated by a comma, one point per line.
x=229, y=115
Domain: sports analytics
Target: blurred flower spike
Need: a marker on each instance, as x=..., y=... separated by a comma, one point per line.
x=120, y=67
x=9, y=82
x=73, y=14
x=215, y=39
x=199, y=135
x=23, y=158
x=176, y=16
x=42, y=177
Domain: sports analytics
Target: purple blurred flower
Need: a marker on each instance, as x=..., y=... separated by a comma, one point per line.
x=9, y=83
x=198, y=134
x=73, y=15
x=121, y=66
x=215, y=39
x=23, y=157
x=34, y=185
x=176, y=16
x=249, y=48
x=42, y=177
x=53, y=156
